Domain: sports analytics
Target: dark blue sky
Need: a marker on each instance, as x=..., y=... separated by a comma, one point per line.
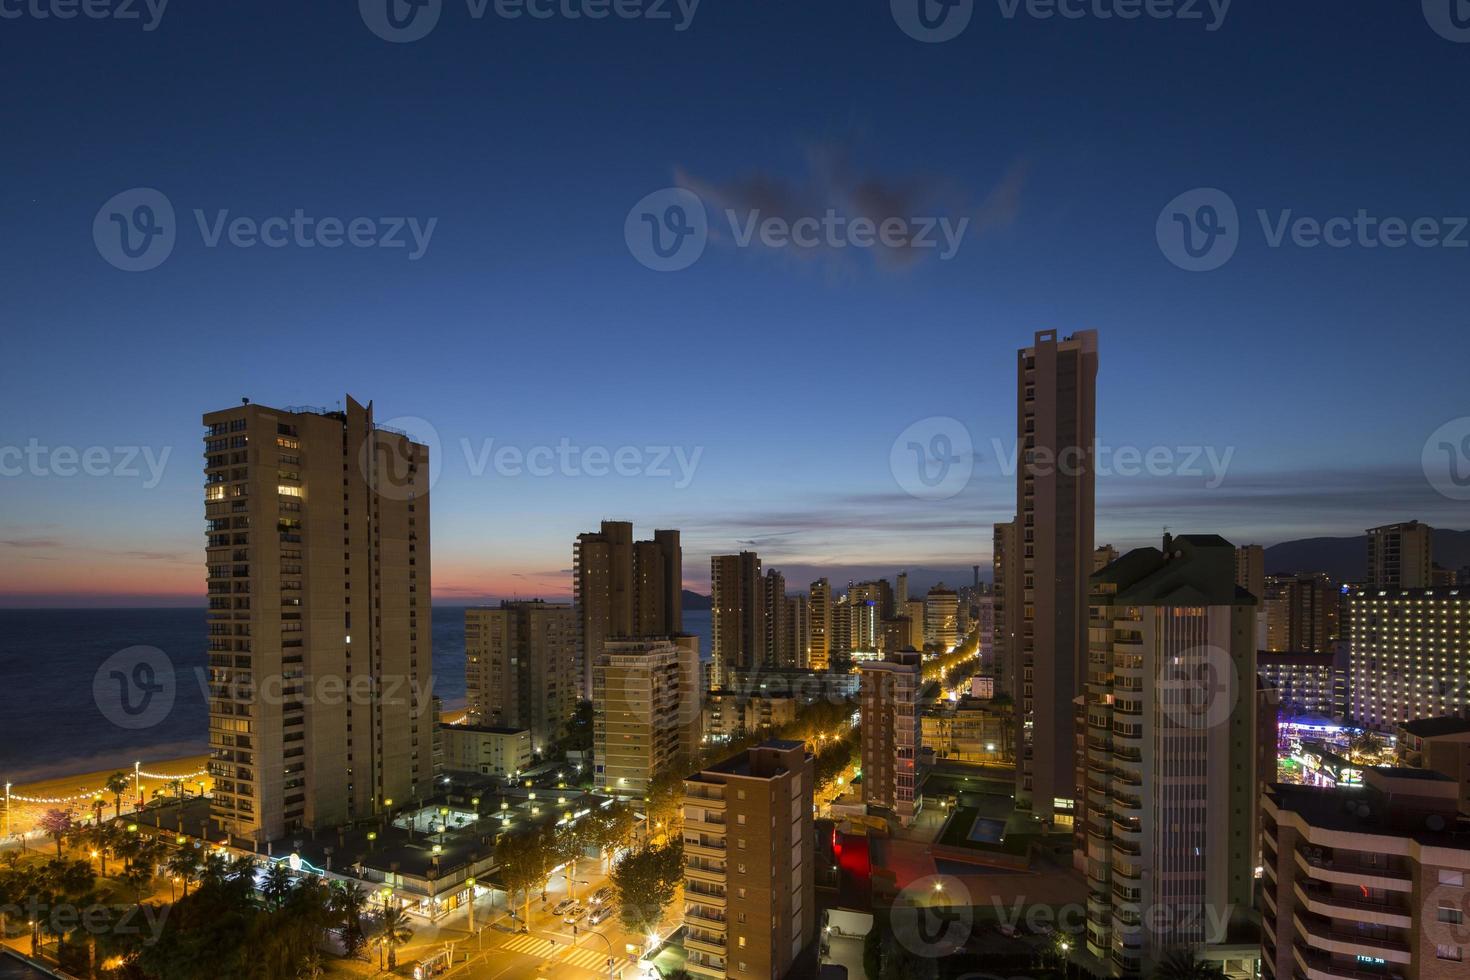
x=1321, y=370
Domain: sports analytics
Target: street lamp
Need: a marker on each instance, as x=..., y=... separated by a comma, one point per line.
x=470, y=882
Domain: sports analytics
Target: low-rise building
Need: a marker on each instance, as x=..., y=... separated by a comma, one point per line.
x=1441, y=744
x=1365, y=882
x=488, y=750
x=969, y=730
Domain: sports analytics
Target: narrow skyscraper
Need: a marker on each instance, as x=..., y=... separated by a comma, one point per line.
x=1056, y=392
x=738, y=614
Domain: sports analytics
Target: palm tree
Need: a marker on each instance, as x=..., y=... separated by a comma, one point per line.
x=277, y=884
x=393, y=932
x=184, y=865
x=1181, y=964
x=348, y=903
x=117, y=785
x=56, y=823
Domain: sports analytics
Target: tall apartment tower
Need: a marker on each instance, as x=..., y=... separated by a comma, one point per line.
x=624, y=589
x=738, y=617
x=799, y=629
x=891, y=732
x=1169, y=790
x=1006, y=559
x=1407, y=655
x=749, y=853
x=318, y=555
x=1401, y=556
x=521, y=668
x=646, y=710
x=779, y=632
x=901, y=596
x=821, y=624
x=1301, y=613
x=1250, y=569
x=1056, y=399
x=941, y=618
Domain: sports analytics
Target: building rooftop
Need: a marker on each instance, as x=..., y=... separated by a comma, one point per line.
x=1433, y=727
x=489, y=729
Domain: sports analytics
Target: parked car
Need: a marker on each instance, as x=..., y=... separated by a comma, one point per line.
x=562, y=906
x=601, y=914
x=602, y=895
x=574, y=913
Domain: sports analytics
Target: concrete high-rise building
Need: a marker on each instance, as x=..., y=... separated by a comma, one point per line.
x=799, y=625
x=738, y=614
x=1006, y=562
x=749, y=855
x=892, y=732
x=779, y=635
x=521, y=668
x=1170, y=788
x=1306, y=683
x=1250, y=569
x=941, y=618
x=821, y=624
x=318, y=565
x=1056, y=400
x=895, y=634
x=1409, y=655
x=624, y=589
x=901, y=595
x=647, y=710
x=1441, y=744
x=1365, y=881
x=840, y=639
x=915, y=616
x=865, y=604
x=1301, y=613
x=1401, y=556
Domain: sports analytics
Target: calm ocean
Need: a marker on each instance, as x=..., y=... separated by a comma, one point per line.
x=50, y=724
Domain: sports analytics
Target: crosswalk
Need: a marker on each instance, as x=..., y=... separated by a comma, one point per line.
x=587, y=958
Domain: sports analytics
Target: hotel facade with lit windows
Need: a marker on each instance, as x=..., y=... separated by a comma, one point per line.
x=319, y=635
x=1409, y=655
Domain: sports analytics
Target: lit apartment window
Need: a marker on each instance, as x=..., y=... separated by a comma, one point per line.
x=1448, y=953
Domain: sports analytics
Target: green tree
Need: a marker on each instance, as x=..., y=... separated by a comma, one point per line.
x=277, y=884
x=349, y=906
x=117, y=785
x=57, y=824
x=645, y=881
x=184, y=865
x=394, y=931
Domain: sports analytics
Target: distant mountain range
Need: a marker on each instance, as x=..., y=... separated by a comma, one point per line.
x=1346, y=559
x=693, y=600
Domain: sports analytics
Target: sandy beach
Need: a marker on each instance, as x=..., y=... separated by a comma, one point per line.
x=74, y=793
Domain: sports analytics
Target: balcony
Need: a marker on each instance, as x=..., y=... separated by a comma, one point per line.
x=710, y=897
x=1322, y=901
x=704, y=918
x=705, y=847
x=1320, y=934
x=1320, y=966
x=703, y=969
x=697, y=872
x=1343, y=871
x=703, y=942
